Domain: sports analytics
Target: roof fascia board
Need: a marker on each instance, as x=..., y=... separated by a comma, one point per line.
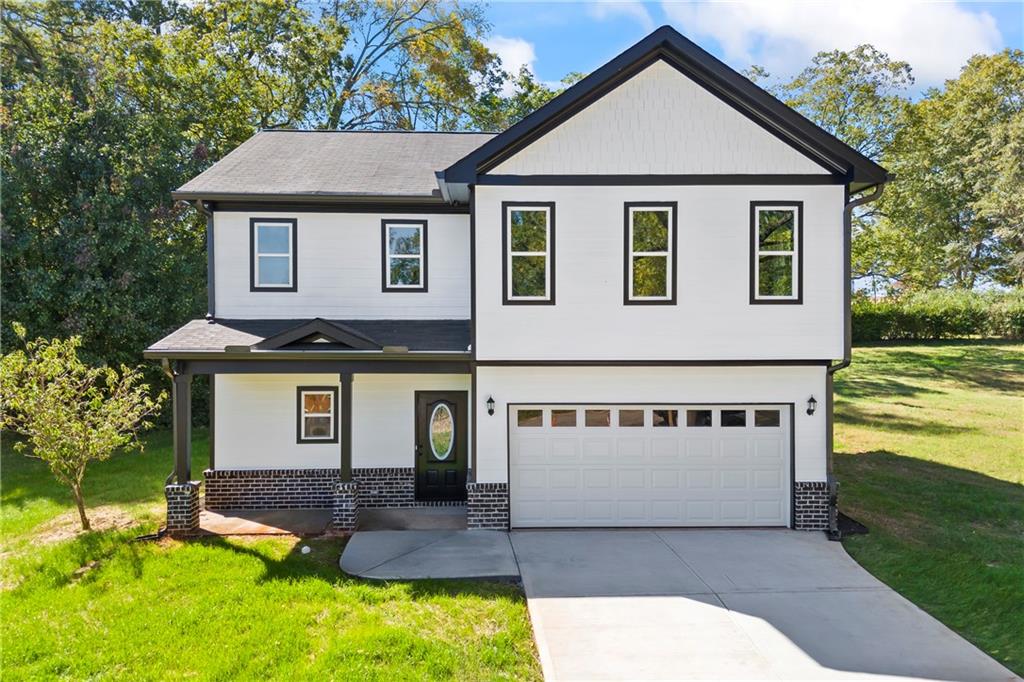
x=669, y=45
x=336, y=332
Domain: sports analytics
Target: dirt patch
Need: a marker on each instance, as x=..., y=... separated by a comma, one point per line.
x=67, y=525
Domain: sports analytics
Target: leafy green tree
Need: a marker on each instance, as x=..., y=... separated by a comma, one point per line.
x=495, y=110
x=69, y=413
x=959, y=171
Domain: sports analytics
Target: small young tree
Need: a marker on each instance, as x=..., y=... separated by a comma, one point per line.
x=70, y=413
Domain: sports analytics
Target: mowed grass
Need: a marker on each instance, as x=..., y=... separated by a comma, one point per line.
x=930, y=456
x=104, y=606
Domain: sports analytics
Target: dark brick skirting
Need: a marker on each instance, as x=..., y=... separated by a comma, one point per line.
x=346, y=506
x=182, y=507
x=810, y=505
x=310, y=488
x=270, y=488
x=386, y=486
x=487, y=506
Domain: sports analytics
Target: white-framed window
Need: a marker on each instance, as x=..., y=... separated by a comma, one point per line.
x=272, y=244
x=529, y=250
x=317, y=409
x=776, y=259
x=404, y=249
x=650, y=267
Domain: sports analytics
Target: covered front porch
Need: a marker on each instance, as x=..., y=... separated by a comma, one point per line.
x=306, y=421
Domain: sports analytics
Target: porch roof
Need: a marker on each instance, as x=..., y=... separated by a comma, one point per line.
x=245, y=338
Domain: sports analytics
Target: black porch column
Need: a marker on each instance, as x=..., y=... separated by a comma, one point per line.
x=181, y=396
x=346, y=427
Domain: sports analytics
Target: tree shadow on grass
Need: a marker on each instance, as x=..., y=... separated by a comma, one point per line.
x=322, y=563
x=971, y=364
x=851, y=414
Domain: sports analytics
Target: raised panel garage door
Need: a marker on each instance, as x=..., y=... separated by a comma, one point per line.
x=638, y=465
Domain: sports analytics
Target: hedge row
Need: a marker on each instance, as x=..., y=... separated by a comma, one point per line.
x=940, y=314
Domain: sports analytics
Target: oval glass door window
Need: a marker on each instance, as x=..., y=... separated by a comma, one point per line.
x=442, y=431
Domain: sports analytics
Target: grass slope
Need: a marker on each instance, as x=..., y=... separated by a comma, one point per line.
x=930, y=456
x=102, y=606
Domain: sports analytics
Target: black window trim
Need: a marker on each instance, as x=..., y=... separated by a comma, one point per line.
x=755, y=299
x=299, y=413
x=385, y=223
x=506, y=207
x=253, y=285
x=627, y=254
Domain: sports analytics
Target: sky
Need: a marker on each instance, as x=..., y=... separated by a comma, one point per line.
x=935, y=38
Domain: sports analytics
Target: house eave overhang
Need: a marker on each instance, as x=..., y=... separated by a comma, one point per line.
x=260, y=355
x=669, y=45
x=326, y=198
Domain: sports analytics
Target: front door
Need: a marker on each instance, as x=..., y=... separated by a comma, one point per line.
x=442, y=450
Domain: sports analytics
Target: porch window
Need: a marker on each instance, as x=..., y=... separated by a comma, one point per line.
x=528, y=237
x=404, y=247
x=273, y=264
x=317, y=410
x=650, y=266
x=776, y=261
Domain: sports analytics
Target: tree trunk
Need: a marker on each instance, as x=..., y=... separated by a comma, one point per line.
x=76, y=490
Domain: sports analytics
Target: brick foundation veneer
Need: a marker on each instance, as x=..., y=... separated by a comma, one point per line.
x=310, y=488
x=386, y=487
x=182, y=507
x=810, y=510
x=345, y=513
x=487, y=506
x=270, y=488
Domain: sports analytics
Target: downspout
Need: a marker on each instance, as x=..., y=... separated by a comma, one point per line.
x=833, y=485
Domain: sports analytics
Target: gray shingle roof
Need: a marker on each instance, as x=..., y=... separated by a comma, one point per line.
x=334, y=164
x=416, y=335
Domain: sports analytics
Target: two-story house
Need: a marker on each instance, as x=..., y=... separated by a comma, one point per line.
x=625, y=310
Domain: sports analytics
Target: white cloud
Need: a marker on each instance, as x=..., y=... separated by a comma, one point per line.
x=514, y=53
x=610, y=9
x=935, y=38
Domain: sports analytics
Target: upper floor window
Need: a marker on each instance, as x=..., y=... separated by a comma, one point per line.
x=776, y=261
x=528, y=240
x=272, y=247
x=650, y=268
x=404, y=251
x=316, y=414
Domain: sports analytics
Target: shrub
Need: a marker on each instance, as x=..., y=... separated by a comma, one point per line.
x=940, y=314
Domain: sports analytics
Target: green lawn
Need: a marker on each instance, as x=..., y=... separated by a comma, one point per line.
x=930, y=442
x=221, y=609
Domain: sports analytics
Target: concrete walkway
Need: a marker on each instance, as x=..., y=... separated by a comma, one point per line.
x=691, y=604
x=419, y=554
x=264, y=522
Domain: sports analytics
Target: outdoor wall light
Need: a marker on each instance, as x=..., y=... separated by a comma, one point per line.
x=812, y=405
x=490, y=405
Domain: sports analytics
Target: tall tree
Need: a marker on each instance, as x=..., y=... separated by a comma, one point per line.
x=959, y=168
x=860, y=97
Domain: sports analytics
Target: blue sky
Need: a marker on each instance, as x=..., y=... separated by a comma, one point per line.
x=936, y=38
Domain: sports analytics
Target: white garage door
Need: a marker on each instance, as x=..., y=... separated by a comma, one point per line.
x=642, y=465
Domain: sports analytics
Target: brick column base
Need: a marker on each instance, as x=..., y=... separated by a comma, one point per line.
x=182, y=507
x=487, y=506
x=810, y=511
x=346, y=506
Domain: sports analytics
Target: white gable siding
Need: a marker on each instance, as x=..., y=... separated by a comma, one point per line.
x=713, y=318
x=658, y=122
x=339, y=269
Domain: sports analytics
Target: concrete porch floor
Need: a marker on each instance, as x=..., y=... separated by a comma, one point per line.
x=264, y=522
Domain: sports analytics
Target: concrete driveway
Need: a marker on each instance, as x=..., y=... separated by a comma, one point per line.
x=691, y=604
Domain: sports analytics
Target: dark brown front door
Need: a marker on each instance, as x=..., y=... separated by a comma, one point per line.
x=442, y=451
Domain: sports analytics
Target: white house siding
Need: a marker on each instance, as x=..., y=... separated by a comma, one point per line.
x=383, y=415
x=658, y=122
x=339, y=269
x=712, y=318
x=662, y=385
x=256, y=420
x=255, y=423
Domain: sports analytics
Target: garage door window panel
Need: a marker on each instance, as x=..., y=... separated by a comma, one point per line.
x=563, y=417
x=767, y=418
x=734, y=418
x=698, y=418
x=598, y=418
x=529, y=418
x=528, y=236
x=665, y=417
x=632, y=418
